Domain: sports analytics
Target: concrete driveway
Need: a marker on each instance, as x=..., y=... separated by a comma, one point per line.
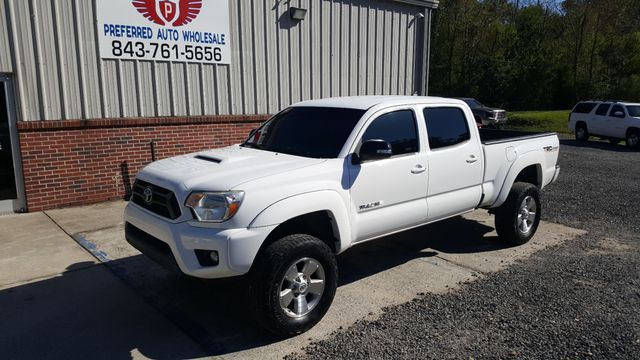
x=104, y=300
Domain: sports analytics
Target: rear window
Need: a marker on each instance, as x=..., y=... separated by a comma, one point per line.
x=584, y=107
x=602, y=109
x=447, y=126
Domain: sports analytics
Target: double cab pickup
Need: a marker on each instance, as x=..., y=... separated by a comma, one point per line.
x=322, y=176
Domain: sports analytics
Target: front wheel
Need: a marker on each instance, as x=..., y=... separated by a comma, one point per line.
x=633, y=139
x=293, y=285
x=518, y=218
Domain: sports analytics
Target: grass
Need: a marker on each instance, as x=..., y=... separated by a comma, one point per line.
x=539, y=121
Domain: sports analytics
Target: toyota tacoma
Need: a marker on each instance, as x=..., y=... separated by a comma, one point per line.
x=322, y=176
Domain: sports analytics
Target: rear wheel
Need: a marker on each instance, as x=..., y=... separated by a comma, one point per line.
x=518, y=218
x=633, y=139
x=582, y=134
x=293, y=285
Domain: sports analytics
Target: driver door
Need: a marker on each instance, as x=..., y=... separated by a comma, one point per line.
x=390, y=194
x=616, y=126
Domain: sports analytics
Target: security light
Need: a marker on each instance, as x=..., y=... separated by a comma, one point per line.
x=297, y=14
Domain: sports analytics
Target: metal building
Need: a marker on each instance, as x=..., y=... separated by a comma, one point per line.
x=62, y=93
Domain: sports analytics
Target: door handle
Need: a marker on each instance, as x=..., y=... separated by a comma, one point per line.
x=472, y=159
x=418, y=169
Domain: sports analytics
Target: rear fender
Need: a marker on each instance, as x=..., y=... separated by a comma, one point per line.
x=531, y=158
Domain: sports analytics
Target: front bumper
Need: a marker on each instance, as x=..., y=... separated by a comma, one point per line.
x=173, y=245
x=494, y=121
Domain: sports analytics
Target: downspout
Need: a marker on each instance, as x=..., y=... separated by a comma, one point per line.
x=426, y=52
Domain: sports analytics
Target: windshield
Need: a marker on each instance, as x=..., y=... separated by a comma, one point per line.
x=473, y=103
x=634, y=111
x=316, y=132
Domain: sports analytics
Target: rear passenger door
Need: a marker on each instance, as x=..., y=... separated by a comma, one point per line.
x=455, y=162
x=597, y=124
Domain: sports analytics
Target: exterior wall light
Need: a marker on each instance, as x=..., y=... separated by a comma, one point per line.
x=297, y=14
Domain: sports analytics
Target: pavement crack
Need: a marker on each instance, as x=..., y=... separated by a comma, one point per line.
x=466, y=267
x=87, y=249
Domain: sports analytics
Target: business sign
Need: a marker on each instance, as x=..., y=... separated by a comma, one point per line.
x=164, y=30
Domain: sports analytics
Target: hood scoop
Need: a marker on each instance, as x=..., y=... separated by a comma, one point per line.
x=208, y=158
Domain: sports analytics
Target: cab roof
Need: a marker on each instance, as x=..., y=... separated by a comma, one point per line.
x=368, y=102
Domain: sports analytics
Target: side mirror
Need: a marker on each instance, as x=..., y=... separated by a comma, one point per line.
x=619, y=114
x=375, y=150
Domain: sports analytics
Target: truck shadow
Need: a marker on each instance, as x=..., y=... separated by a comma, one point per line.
x=89, y=313
x=454, y=236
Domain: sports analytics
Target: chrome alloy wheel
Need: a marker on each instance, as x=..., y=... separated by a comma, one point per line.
x=633, y=140
x=527, y=215
x=581, y=132
x=302, y=287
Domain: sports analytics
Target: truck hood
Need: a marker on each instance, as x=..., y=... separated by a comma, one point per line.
x=490, y=109
x=221, y=169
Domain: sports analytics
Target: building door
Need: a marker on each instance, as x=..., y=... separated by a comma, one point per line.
x=11, y=191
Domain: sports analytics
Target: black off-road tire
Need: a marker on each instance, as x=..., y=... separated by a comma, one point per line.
x=507, y=223
x=266, y=280
x=582, y=133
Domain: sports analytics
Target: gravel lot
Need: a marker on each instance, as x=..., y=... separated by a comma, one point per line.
x=578, y=300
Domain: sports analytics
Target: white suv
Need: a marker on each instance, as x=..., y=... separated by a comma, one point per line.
x=615, y=121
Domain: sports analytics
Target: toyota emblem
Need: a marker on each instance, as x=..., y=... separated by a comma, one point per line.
x=148, y=195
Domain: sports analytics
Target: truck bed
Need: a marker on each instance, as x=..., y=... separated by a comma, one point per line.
x=492, y=136
x=503, y=149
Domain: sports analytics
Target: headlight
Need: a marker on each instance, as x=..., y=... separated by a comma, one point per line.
x=215, y=206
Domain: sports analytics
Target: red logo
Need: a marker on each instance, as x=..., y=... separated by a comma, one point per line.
x=169, y=12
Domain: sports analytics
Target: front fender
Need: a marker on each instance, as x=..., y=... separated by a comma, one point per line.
x=291, y=207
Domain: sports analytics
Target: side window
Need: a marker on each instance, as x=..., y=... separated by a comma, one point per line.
x=398, y=128
x=615, y=109
x=447, y=126
x=602, y=109
x=584, y=107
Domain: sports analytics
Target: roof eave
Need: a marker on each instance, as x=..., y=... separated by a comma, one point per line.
x=432, y=4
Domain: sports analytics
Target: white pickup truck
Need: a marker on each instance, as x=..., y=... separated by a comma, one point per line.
x=322, y=176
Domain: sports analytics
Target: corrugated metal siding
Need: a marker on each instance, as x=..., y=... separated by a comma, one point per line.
x=6, y=65
x=348, y=47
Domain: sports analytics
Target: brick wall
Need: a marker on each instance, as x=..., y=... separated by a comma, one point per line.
x=77, y=162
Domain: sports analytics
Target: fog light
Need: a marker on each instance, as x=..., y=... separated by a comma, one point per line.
x=208, y=257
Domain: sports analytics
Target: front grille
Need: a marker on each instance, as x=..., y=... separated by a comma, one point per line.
x=163, y=202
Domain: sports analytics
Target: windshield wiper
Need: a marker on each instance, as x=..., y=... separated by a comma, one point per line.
x=253, y=146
